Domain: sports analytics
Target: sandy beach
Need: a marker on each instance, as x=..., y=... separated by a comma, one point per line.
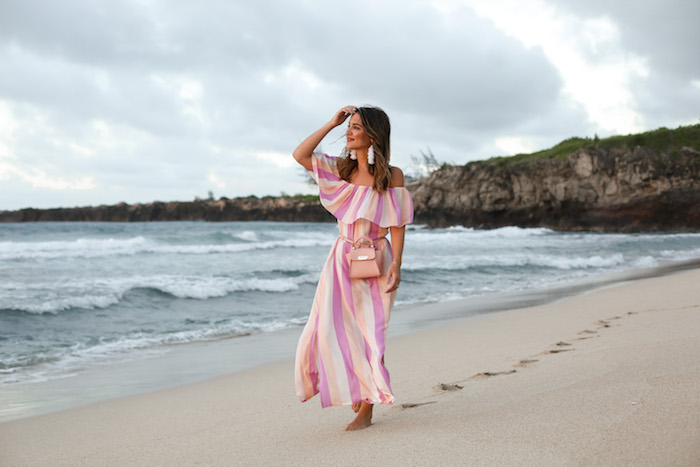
x=609, y=377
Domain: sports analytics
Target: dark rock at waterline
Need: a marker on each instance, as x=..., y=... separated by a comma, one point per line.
x=283, y=209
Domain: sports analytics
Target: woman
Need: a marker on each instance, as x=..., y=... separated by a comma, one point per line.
x=341, y=350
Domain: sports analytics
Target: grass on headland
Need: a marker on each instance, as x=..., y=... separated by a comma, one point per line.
x=661, y=139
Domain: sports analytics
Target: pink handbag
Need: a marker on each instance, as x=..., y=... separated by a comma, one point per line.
x=364, y=262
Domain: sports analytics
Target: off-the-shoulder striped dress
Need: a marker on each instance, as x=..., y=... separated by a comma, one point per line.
x=341, y=349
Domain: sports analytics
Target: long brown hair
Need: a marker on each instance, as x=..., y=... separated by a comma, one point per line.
x=376, y=123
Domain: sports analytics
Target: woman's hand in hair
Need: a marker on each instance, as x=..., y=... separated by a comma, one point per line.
x=342, y=115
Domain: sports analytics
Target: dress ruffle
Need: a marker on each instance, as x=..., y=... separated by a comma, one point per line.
x=349, y=202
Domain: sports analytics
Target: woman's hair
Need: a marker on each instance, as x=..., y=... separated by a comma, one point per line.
x=376, y=123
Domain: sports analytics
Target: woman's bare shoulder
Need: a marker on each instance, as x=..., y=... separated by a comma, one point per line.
x=396, y=177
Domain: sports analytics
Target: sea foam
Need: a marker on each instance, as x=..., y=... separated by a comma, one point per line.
x=87, y=248
x=102, y=293
x=64, y=362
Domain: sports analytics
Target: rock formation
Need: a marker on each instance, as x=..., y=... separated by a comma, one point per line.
x=616, y=189
x=283, y=209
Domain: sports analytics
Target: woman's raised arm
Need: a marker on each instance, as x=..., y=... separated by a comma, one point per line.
x=303, y=152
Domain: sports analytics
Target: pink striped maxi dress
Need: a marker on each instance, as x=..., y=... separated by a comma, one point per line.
x=341, y=350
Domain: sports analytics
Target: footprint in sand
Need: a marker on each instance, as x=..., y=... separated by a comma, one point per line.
x=410, y=405
x=488, y=374
x=526, y=362
x=557, y=351
x=587, y=334
x=602, y=324
x=559, y=344
x=447, y=387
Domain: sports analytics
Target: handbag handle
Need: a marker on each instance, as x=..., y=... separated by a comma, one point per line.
x=359, y=240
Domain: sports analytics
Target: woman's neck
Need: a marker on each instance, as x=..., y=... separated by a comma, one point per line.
x=362, y=161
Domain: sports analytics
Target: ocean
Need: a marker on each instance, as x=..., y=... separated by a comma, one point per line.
x=112, y=299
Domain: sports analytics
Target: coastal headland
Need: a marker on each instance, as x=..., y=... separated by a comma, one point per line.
x=644, y=182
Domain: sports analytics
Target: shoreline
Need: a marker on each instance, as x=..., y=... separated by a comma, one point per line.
x=608, y=377
x=180, y=365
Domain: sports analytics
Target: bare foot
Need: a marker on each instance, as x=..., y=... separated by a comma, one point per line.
x=356, y=407
x=363, y=419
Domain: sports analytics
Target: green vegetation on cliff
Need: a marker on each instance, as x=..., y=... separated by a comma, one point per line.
x=660, y=140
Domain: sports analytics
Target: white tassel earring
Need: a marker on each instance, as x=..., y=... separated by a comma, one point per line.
x=353, y=155
x=370, y=155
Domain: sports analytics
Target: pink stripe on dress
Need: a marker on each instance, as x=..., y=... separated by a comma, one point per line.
x=380, y=320
x=342, y=337
x=378, y=213
x=345, y=206
x=325, y=390
x=313, y=355
x=327, y=175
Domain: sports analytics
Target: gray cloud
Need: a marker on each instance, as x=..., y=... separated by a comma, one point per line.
x=149, y=99
x=660, y=30
x=663, y=34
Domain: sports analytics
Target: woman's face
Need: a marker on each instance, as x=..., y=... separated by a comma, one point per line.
x=356, y=135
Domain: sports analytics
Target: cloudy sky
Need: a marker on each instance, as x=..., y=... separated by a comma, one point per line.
x=143, y=100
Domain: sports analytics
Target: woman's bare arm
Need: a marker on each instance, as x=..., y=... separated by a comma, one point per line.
x=394, y=273
x=397, y=239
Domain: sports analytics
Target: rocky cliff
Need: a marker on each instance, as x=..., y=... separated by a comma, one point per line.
x=608, y=189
